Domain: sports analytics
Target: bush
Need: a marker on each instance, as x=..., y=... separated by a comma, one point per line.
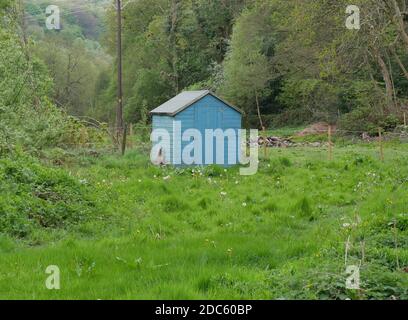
x=367, y=120
x=365, y=105
x=309, y=100
x=37, y=197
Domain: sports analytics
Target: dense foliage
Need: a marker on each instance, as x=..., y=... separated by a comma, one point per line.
x=34, y=82
x=282, y=62
x=288, y=61
x=34, y=197
x=24, y=95
x=75, y=59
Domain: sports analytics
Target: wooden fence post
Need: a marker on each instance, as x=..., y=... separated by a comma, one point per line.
x=396, y=242
x=380, y=141
x=329, y=134
x=124, y=139
x=265, y=141
x=130, y=142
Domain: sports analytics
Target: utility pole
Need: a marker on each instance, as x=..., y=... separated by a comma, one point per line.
x=119, y=109
x=120, y=128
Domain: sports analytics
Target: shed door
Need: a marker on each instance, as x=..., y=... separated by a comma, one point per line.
x=209, y=117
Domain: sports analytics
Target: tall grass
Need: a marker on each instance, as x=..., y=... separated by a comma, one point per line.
x=163, y=233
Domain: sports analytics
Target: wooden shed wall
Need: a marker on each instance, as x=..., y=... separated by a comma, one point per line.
x=207, y=113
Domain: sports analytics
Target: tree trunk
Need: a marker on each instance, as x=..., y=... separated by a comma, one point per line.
x=393, y=84
x=68, y=79
x=259, y=110
x=399, y=20
x=23, y=25
x=387, y=79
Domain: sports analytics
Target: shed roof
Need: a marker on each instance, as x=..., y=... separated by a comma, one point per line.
x=183, y=101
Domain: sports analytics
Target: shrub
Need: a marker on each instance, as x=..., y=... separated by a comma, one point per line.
x=366, y=119
x=34, y=196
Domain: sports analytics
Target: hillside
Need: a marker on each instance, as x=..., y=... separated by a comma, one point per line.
x=80, y=18
x=77, y=61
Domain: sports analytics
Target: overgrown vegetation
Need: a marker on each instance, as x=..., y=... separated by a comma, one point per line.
x=30, y=118
x=163, y=233
x=35, y=197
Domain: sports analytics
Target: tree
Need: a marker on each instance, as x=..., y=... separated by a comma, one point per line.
x=169, y=46
x=247, y=67
x=27, y=117
x=317, y=46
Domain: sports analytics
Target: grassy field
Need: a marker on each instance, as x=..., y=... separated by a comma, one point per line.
x=162, y=233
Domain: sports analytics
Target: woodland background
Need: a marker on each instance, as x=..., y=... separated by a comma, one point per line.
x=294, y=61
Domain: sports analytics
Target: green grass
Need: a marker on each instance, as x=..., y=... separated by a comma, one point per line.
x=163, y=233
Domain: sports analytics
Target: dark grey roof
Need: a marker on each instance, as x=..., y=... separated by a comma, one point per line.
x=183, y=101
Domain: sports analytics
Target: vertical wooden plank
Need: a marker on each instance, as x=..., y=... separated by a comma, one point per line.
x=124, y=135
x=329, y=134
x=380, y=141
x=265, y=142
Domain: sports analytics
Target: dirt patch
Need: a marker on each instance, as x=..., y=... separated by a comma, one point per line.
x=316, y=128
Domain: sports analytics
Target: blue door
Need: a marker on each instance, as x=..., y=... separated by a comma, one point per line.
x=210, y=117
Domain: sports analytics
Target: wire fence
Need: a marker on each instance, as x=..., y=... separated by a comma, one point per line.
x=328, y=145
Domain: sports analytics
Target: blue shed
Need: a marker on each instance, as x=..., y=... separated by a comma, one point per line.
x=196, y=128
